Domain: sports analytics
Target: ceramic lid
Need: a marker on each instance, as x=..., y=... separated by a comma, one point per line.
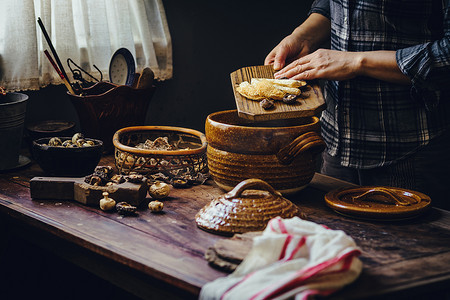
x=383, y=203
x=248, y=207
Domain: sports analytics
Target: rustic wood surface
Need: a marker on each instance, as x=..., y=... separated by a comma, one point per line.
x=400, y=258
x=311, y=101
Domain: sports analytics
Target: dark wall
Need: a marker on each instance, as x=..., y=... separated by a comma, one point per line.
x=210, y=40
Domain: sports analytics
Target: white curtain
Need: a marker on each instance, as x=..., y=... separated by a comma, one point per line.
x=86, y=31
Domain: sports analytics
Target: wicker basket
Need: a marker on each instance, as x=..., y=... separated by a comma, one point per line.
x=191, y=160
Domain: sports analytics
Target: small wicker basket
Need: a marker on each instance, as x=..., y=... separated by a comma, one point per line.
x=189, y=160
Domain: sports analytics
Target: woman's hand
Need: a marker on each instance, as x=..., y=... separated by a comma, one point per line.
x=325, y=64
x=342, y=65
x=303, y=40
x=288, y=50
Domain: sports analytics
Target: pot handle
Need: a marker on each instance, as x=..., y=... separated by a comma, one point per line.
x=389, y=197
x=253, y=183
x=310, y=140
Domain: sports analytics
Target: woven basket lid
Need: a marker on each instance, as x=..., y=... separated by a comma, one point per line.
x=248, y=207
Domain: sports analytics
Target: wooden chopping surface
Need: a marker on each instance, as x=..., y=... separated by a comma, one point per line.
x=311, y=101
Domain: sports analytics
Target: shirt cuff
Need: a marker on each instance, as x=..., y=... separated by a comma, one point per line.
x=415, y=62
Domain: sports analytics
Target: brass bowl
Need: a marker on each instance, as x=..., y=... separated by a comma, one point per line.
x=283, y=153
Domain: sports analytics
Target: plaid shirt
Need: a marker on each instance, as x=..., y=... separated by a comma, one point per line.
x=369, y=122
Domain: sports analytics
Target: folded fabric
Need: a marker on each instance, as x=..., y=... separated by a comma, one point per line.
x=292, y=258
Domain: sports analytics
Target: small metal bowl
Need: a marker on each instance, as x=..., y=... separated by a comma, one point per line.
x=67, y=162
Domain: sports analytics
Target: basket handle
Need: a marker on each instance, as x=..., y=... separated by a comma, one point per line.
x=310, y=140
x=253, y=183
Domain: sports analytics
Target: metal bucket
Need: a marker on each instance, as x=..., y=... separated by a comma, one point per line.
x=12, y=119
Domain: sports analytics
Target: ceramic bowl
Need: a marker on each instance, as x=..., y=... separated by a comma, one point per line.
x=48, y=128
x=283, y=153
x=67, y=162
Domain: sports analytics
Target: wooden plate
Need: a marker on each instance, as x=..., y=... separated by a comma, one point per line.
x=381, y=203
x=311, y=104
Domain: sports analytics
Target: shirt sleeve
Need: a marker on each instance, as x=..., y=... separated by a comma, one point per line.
x=428, y=65
x=321, y=7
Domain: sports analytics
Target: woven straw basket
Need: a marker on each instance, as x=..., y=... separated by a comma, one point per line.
x=191, y=159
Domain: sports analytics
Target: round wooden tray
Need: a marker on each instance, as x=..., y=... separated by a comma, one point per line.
x=380, y=203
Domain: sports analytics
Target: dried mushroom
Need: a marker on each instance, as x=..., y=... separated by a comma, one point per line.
x=161, y=143
x=54, y=142
x=67, y=144
x=94, y=180
x=77, y=136
x=267, y=104
x=290, y=98
x=159, y=190
x=180, y=182
x=77, y=140
x=100, y=177
x=134, y=178
x=124, y=208
x=155, y=206
x=118, y=179
x=104, y=169
x=107, y=203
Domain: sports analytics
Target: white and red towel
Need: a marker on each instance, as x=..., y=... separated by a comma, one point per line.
x=293, y=258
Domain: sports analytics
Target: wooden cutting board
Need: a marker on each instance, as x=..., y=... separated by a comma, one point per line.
x=310, y=104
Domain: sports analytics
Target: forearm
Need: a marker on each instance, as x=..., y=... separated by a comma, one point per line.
x=380, y=65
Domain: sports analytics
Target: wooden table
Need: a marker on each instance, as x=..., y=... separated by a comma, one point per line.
x=162, y=255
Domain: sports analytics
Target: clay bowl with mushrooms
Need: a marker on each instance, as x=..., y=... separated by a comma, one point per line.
x=58, y=159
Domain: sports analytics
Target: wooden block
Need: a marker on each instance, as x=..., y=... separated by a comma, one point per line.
x=74, y=188
x=58, y=188
x=131, y=193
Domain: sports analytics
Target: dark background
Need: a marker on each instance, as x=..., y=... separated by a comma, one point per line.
x=210, y=40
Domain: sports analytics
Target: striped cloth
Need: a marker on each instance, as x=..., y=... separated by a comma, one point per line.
x=292, y=257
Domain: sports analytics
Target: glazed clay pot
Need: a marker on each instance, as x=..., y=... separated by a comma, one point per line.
x=283, y=153
x=248, y=207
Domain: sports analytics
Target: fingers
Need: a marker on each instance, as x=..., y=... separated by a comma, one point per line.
x=279, y=61
x=300, y=69
x=270, y=58
x=277, y=57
